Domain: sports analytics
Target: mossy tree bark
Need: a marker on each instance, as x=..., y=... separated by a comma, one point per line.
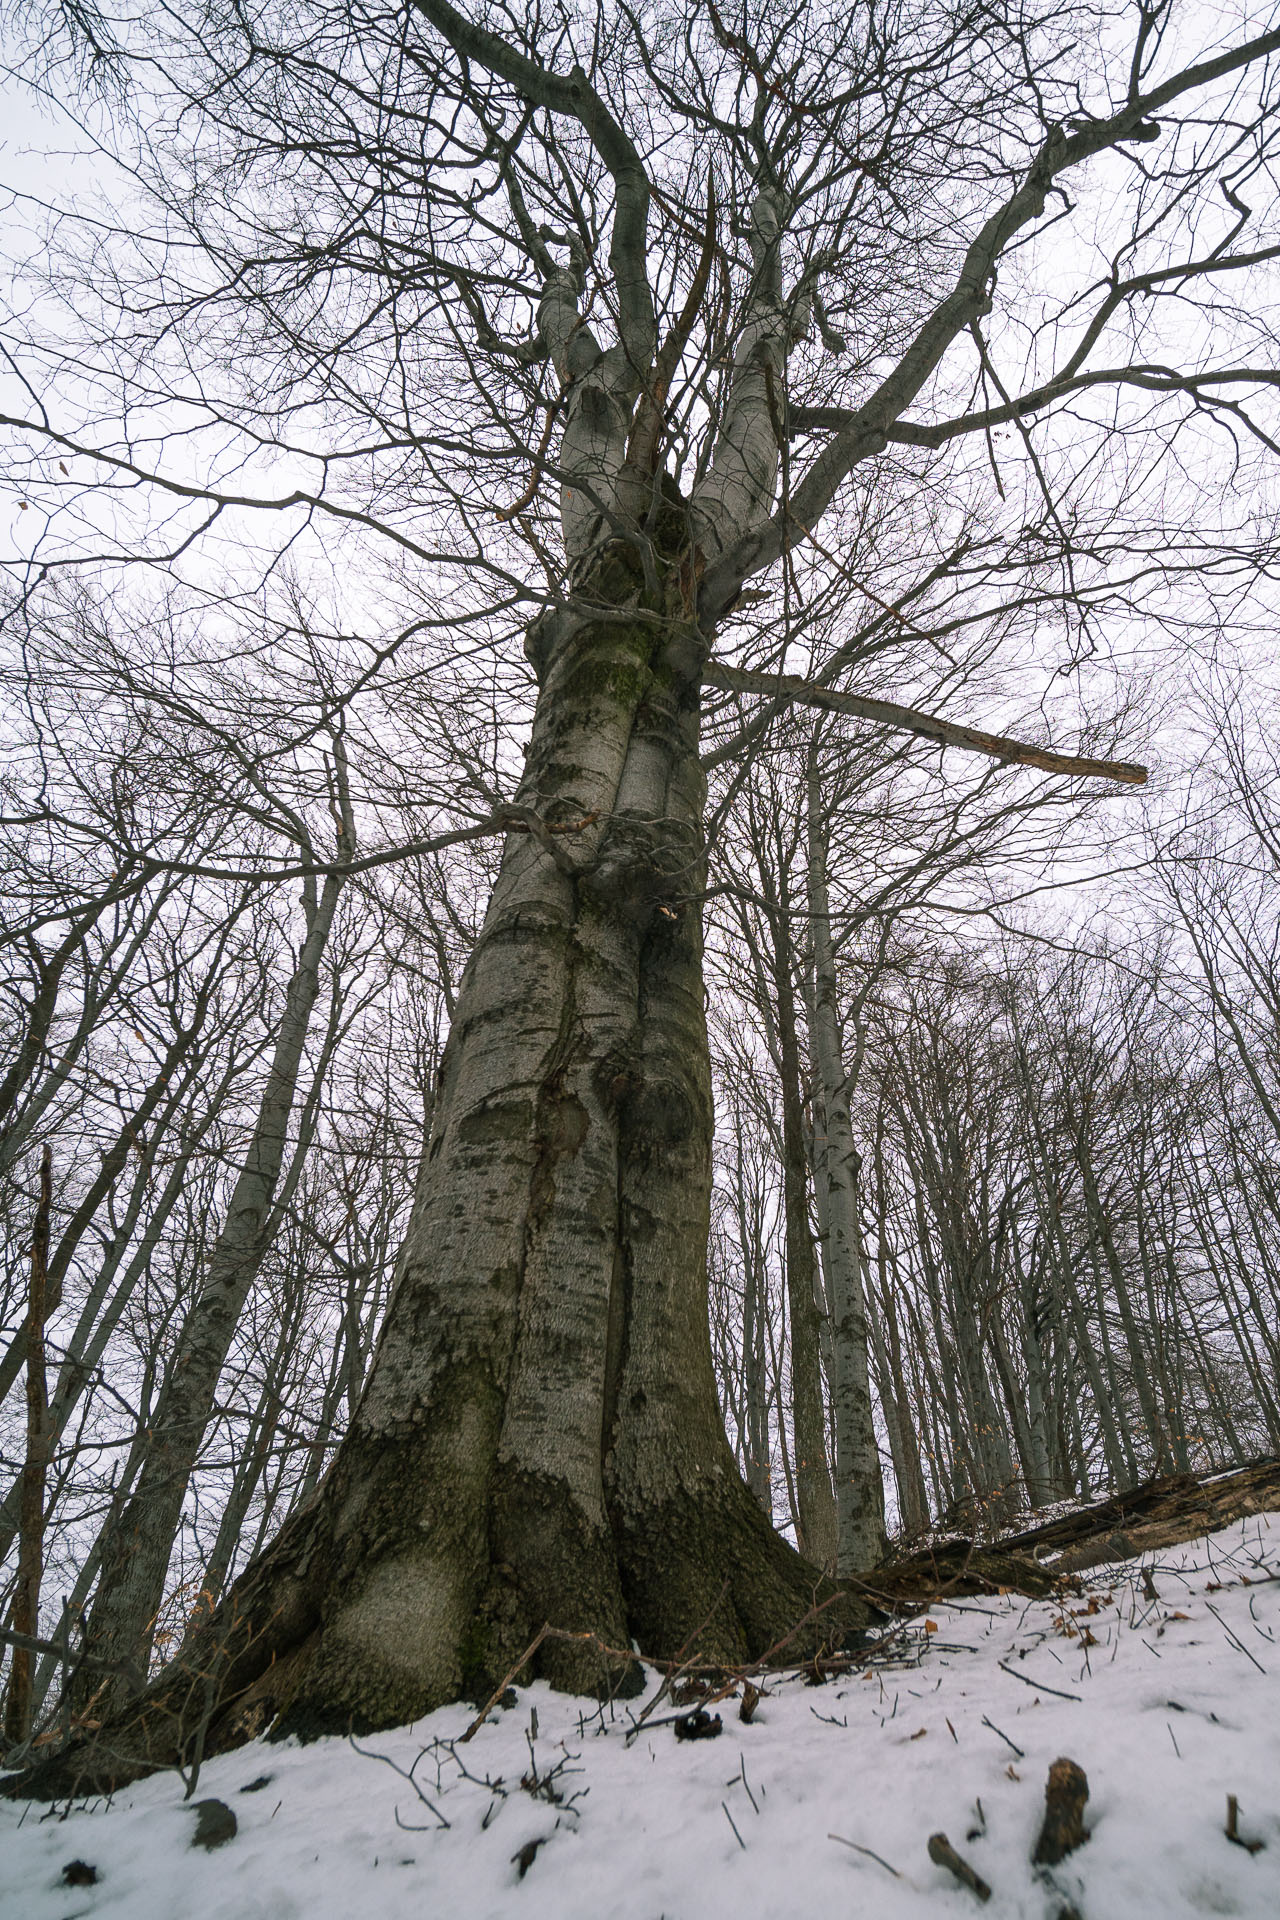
x=539, y=1440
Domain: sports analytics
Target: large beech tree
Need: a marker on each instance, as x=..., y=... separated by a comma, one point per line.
x=632, y=307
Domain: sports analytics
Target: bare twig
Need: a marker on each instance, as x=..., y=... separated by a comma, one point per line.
x=1235, y=1640
x=1027, y=1681
x=729, y=1817
x=1003, y=1736
x=406, y=1773
x=880, y=1862
x=1231, y=1828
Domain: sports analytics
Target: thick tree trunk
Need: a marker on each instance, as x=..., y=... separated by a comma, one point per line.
x=539, y=1439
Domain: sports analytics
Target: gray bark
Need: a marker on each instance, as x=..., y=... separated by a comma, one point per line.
x=1100, y=1221
x=816, y=1510
x=858, y=1480
x=136, y=1554
x=539, y=1438
x=755, y=1307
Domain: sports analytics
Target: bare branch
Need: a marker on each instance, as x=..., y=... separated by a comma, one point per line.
x=868, y=427
x=928, y=726
x=576, y=98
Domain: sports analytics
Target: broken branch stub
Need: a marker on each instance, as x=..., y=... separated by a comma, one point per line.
x=1065, y=1794
x=943, y=1854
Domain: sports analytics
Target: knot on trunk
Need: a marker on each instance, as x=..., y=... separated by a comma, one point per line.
x=645, y=867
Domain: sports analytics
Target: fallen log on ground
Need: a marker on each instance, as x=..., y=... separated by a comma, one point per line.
x=1160, y=1513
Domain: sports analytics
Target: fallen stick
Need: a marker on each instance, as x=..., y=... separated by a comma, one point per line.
x=943, y=1854
x=879, y=1860
x=1044, y=1687
x=1003, y=1736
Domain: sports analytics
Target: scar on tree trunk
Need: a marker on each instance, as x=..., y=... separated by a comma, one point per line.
x=539, y=1441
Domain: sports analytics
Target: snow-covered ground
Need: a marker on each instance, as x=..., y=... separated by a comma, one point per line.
x=1169, y=1705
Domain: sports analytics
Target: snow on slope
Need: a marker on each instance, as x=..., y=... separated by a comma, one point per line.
x=1168, y=1704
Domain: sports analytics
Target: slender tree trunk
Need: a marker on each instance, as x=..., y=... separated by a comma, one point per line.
x=1040, y=1481
x=1048, y=1184
x=1076, y=1429
x=130, y=1139
x=817, y=1532
x=859, y=1482
x=136, y=1555
x=1018, y=1421
x=1114, y=1403
x=956, y=1470
x=1101, y=1223
x=26, y=1602
x=27, y=1103
x=913, y=1498
x=1164, y=1381
x=755, y=1388
x=103, y=1309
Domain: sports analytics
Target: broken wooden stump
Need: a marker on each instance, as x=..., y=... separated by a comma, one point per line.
x=1065, y=1794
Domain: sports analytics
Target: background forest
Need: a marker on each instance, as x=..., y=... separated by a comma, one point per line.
x=1066, y=1126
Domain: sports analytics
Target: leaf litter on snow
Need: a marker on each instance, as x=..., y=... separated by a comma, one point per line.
x=1158, y=1680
